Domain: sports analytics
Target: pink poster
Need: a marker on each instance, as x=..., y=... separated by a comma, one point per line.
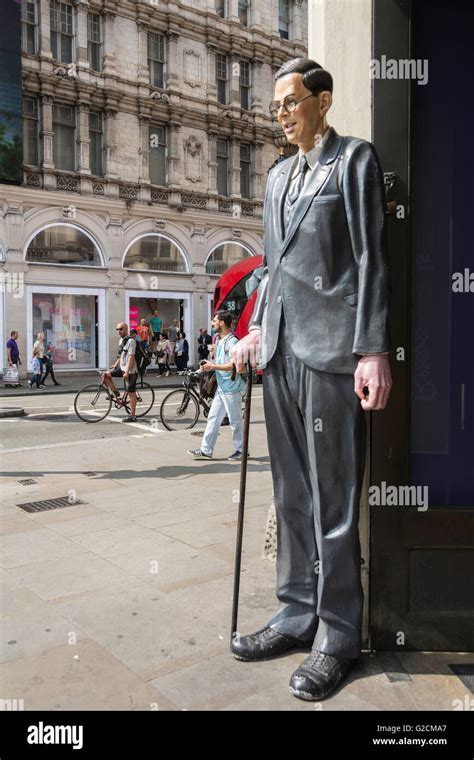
x=133, y=317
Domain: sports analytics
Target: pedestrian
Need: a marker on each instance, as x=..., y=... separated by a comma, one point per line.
x=125, y=366
x=14, y=361
x=144, y=332
x=320, y=324
x=204, y=342
x=173, y=331
x=163, y=351
x=228, y=397
x=182, y=353
x=37, y=367
x=48, y=365
x=39, y=345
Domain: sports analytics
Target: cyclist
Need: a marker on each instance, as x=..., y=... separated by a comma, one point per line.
x=125, y=366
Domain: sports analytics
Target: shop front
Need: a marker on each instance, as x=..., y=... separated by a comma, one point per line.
x=72, y=320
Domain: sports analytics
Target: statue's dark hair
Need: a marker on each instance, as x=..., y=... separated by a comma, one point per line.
x=315, y=78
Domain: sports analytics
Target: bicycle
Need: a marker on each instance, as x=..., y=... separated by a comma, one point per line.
x=94, y=402
x=180, y=409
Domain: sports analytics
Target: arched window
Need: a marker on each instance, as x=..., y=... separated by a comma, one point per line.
x=156, y=253
x=224, y=256
x=64, y=244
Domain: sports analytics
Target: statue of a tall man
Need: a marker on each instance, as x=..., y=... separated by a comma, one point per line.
x=320, y=330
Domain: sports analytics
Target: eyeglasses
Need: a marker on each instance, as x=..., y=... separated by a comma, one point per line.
x=289, y=104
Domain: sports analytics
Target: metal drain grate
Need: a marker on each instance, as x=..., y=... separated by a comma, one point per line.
x=465, y=672
x=48, y=504
x=90, y=474
x=27, y=482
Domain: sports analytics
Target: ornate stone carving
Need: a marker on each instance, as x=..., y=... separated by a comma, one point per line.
x=159, y=225
x=68, y=212
x=68, y=72
x=193, y=159
x=192, y=68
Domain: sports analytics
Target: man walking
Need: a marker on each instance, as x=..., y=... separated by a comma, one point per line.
x=320, y=328
x=228, y=398
x=125, y=366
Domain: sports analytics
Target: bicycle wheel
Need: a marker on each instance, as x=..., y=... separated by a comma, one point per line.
x=92, y=403
x=145, y=399
x=179, y=410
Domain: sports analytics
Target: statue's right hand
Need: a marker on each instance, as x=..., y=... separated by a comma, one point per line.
x=247, y=350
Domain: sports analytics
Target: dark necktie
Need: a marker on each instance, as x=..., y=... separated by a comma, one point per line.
x=297, y=185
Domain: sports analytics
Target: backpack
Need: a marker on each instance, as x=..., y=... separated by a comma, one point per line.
x=142, y=357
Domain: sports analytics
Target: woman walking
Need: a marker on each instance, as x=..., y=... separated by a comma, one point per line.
x=163, y=350
x=182, y=353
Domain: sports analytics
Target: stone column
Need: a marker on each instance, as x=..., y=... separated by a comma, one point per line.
x=234, y=80
x=143, y=75
x=233, y=10
x=81, y=33
x=173, y=65
x=83, y=138
x=174, y=156
x=257, y=170
x=212, y=164
x=44, y=35
x=296, y=27
x=109, y=46
x=211, y=72
x=110, y=149
x=256, y=85
x=234, y=167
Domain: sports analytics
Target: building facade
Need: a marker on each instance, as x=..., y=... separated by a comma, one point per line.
x=147, y=140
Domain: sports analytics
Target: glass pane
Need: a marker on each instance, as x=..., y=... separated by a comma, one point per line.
x=68, y=323
x=245, y=180
x=30, y=138
x=63, y=244
x=221, y=91
x=95, y=153
x=64, y=147
x=222, y=174
x=245, y=98
x=66, y=48
x=224, y=256
x=156, y=253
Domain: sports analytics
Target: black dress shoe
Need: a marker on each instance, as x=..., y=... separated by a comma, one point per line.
x=319, y=676
x=263, y=645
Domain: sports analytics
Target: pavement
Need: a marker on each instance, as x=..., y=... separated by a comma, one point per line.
x=121, y=600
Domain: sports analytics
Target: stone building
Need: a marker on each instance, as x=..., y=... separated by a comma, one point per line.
x=147, y=140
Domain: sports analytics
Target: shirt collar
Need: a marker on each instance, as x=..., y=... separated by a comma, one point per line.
x=312, y=156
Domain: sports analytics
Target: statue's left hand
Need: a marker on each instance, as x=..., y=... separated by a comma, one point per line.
x=373, y=373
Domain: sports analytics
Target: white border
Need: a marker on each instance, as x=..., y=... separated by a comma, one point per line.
x=228, y=242
x=102, y=318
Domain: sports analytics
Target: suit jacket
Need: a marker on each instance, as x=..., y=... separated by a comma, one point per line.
x=327, y=273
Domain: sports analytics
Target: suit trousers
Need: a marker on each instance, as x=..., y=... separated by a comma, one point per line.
x=316, y=440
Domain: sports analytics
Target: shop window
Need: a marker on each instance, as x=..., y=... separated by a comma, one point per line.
x=68, y=322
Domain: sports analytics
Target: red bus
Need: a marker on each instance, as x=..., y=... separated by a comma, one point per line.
x=231, y=292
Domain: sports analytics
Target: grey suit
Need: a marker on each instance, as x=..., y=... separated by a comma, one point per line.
x=322, y=302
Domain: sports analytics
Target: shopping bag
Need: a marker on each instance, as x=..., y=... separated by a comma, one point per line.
x=11, y=376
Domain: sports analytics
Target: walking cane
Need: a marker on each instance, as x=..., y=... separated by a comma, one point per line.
x=240, y=519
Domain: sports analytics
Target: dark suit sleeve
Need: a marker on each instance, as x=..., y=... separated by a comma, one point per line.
x=364, y=200
x=261, y=300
